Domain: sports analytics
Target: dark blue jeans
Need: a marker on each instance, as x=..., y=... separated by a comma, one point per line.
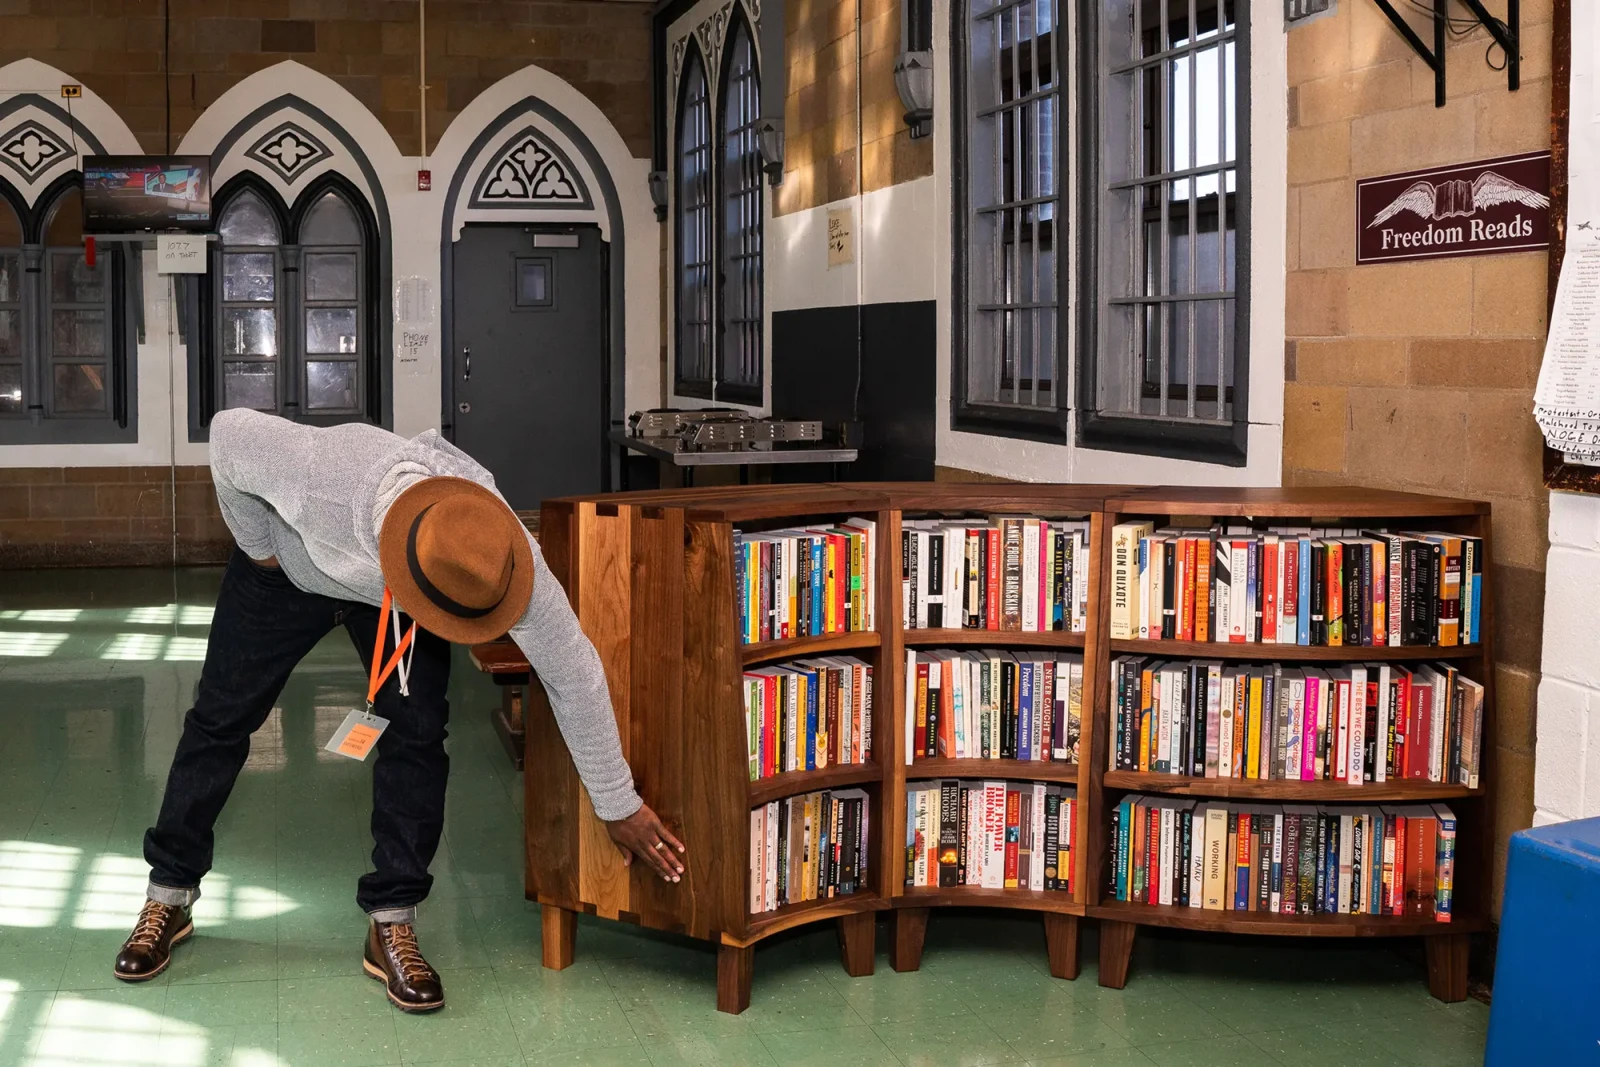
x=262, y=628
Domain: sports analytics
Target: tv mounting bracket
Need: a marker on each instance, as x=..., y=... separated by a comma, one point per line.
x=1508, y=38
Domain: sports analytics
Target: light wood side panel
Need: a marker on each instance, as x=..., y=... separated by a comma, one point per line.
x=603, y=571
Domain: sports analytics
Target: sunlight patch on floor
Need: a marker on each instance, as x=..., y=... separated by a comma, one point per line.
x=35, y=879
x=27, y=643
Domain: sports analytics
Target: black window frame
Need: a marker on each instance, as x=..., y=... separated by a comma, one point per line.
x=750, y=187
x=1040, y=423
x=686, y=381
x=39, y=423
x=205, y=358
x=1222, y=443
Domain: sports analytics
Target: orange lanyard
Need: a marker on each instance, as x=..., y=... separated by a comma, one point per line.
x=400, y=646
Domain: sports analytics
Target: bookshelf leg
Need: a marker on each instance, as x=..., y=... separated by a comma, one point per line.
x=905, y=947
x=1447, y=966
x=857, y=937
x=559, y=927
x=735, y=969
x=1116, y=949
x=1061, y=943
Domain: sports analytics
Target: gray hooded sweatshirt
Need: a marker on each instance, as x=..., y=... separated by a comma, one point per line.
x=315, y=497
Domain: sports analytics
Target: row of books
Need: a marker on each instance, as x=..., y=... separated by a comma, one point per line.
x=995, y=835
x=1342, y=860
x=808, y=847
x=991, y=704
x=805, y=582
x=1292, y=586
x=808, y=715
x=1364, y=723
x=1011, y=573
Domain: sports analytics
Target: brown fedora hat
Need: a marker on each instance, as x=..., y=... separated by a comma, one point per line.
x=456, y=559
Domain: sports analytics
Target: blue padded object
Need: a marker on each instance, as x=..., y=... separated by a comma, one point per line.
x=1546, y=1006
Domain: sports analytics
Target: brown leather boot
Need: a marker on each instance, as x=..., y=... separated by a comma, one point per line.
x=392, y=957
x=148, y=949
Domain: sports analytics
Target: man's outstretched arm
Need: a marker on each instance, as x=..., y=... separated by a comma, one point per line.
x=570, y=670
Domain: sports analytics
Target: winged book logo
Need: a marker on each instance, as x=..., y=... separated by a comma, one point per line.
x=1464, y=209
x=1458, y=197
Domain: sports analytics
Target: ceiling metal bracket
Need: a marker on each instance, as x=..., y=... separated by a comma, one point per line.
x=1506, y=34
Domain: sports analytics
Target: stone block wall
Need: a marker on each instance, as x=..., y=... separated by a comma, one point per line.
x=109, y=517
x=1420, y=375
x=821, y=119
x=368, y=46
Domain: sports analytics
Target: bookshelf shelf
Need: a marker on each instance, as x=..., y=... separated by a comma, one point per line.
x=1288, y=791
x=1257, y=922
x=967, y=896
x=798, y=647
x=789, y=916
x=1256, y=651
x=1012, y=769
x=793, y=783
x=993, y=639
x=651, y=578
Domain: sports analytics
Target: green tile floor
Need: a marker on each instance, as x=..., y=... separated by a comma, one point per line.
x=96, y=671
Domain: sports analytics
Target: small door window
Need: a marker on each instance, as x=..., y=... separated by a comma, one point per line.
x=536, y=282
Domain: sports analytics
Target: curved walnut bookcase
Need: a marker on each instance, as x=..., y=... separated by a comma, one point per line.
x=650, y=575
x=1446, y=942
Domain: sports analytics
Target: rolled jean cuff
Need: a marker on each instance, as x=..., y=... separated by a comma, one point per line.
x=394, y=915
x=173, y=898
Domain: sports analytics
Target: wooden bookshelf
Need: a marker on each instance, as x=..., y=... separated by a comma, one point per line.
x=1446, y=942
x=651, y=575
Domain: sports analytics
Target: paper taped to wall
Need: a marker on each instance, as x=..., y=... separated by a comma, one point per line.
x=1566, y=402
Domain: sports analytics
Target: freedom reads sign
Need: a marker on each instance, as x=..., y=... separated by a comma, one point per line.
x=1473, y=209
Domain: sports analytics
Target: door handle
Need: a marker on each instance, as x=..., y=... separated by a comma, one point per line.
x=466, y=374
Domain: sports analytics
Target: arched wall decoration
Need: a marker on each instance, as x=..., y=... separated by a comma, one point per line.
x=712, y=34
x=40, y=142
x=30, y=149
x=289, y=150
x=530, y=173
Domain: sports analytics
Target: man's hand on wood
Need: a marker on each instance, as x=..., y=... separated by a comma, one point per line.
x=644, y=835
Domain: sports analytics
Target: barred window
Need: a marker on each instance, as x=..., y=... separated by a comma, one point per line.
x=294, y=306
x=694, y=237
x=741, y=356
x=1012, y=267
x=62, y=340
x=1172, y=206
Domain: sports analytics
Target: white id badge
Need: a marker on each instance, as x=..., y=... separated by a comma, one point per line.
x=357, y=734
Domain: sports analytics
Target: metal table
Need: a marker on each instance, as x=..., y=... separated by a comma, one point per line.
x=744, y=459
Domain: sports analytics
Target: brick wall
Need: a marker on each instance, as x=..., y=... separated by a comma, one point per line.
x=820, y=116
x=1420, y=375
x=109, y=516
x=367, y=46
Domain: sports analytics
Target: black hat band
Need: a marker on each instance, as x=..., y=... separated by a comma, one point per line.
x=431, y=591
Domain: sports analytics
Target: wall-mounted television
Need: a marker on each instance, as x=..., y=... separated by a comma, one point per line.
x=123, y=194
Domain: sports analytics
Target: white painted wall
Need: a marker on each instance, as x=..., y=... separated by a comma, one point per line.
x=415, y=221
x=1566, y=782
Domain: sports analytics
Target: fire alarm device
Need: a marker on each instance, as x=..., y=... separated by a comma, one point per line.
x=424, y=180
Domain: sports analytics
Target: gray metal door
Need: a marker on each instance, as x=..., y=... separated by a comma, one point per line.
x=528, y=367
